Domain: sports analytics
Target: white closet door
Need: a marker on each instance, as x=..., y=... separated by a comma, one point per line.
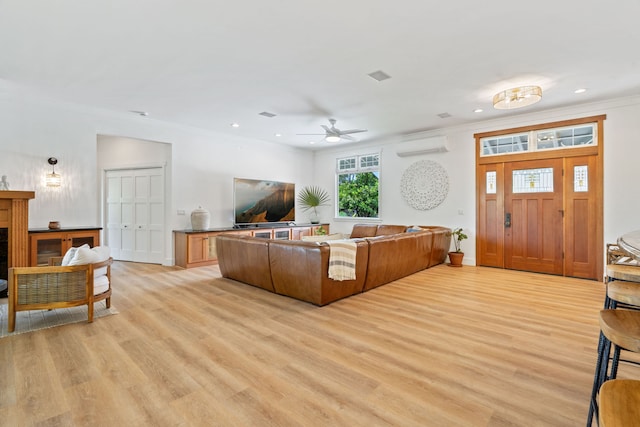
x=135, y=214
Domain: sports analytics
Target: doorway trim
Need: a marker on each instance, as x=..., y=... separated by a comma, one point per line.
x=490, y=208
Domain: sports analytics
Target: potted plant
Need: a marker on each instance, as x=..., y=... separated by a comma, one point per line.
x=310, y=198
x=456, y=256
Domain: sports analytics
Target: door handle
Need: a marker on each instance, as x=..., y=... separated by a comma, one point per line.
x=507, y=220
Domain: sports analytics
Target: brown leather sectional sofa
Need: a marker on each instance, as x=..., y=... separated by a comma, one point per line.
x=299, y=269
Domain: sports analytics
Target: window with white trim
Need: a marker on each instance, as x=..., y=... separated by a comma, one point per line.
x=357, y=182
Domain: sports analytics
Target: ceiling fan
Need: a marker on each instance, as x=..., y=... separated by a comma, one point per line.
x=333, y=134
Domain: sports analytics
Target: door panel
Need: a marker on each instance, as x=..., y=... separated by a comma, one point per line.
x=533, y=241
x=135, y=214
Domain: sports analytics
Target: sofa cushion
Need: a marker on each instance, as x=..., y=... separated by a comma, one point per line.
x=386, y=230
x=363, y=230
x=326, y=238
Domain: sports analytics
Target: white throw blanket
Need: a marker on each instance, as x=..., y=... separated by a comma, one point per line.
x=342, y=259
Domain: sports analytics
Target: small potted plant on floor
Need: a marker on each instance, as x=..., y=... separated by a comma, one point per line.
x=456, y=256
x=310, y=198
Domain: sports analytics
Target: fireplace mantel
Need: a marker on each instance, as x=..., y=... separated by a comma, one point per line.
x=14, y=215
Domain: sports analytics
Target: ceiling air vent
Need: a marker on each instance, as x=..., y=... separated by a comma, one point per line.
x=266, y=114
x=379, y=75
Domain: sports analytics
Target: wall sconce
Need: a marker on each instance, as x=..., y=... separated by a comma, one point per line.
x=53, y=179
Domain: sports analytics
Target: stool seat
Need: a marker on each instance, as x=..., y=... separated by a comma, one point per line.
x=630, y=273
x=621, y=327
x=624, y=292
x=620, y=403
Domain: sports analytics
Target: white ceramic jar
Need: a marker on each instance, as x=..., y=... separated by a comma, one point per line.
x=200, y=219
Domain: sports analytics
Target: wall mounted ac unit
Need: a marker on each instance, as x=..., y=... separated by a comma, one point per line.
x=436, y=144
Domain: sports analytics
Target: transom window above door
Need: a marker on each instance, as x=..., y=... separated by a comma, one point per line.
x=540, y=140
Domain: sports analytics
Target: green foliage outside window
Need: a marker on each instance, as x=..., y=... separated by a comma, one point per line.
x=358, y=195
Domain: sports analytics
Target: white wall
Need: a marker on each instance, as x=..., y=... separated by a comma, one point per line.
x=201, y=164
x=621, y=163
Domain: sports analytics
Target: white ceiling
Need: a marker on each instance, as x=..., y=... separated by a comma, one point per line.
x=210, y=63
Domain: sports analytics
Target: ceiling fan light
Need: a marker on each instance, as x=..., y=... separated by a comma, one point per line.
x=517, y=97
x=332, y=138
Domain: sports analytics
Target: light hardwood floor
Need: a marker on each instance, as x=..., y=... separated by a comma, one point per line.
x=445, y=347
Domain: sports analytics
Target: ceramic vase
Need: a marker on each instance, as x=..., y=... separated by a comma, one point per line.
x=200, y=219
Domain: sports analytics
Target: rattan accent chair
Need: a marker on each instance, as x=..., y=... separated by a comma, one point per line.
x=54, y=286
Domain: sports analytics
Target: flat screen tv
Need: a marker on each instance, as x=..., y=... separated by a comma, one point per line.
x=257, y=201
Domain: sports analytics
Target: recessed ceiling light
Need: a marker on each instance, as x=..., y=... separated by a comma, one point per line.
x=478, y=110
x=278, y=134
x=235, y=125
x=312, y=142
x=581, y=90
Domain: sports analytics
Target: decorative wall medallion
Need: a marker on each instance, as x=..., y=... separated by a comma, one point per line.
x=424, y=185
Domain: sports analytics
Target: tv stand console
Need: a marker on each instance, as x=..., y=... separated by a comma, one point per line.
x=197, y=248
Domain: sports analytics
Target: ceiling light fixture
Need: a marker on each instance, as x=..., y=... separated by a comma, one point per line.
x=235, y=125
x=478, y=110
x=581, y=90
x=53, y=179
x=332, y=138
x=517, y=97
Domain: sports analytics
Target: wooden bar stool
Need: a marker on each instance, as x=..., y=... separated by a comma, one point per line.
x=620, y=328
x=619, y=403
x=622, y=279
x=621, y=292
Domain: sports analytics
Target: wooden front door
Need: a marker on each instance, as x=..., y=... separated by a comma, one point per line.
x=533, y=222
x=539, y=198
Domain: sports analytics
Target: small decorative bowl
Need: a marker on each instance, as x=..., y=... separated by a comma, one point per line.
x=54, y=225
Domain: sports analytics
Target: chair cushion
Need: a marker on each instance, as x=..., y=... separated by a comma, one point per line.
x=100, y=284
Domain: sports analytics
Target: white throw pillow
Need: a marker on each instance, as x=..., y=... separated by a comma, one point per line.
x=71, y=253
x=103, y=252
x=90, y=255
x=84, y=256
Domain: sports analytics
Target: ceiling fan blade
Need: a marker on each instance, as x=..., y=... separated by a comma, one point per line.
x=344, y=132
x=325, y=127
x=347, y=137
